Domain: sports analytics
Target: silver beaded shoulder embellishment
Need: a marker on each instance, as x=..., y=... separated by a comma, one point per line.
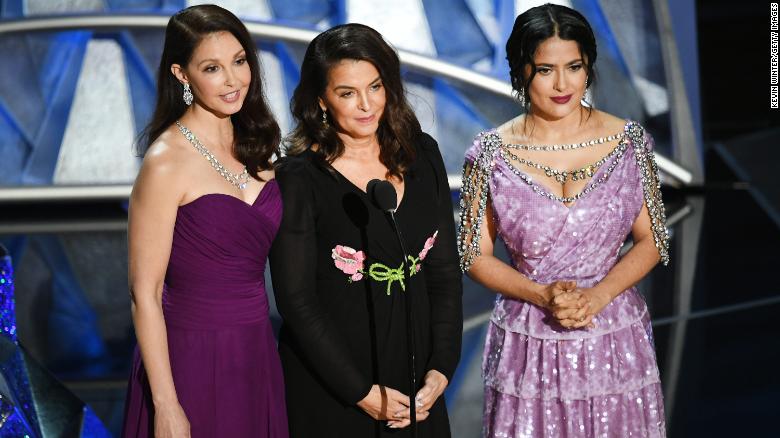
x=651, y=187
x=474, y=193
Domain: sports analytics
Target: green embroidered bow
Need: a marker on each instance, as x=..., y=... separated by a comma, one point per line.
x=381, y=272
x=350, y=261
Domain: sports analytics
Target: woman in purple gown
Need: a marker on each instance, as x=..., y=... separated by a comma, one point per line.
x=203, y=213
x=569, y=349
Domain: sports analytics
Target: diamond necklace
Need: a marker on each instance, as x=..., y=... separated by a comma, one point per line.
x=617, y=152
x=238, y=179
x=566, y=147
x=562, y=176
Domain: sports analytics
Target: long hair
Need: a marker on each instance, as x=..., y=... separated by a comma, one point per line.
x=398, y=126
x=534, y=26
x=255, y=131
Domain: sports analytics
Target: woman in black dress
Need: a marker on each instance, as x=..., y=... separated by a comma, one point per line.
x=336, y=261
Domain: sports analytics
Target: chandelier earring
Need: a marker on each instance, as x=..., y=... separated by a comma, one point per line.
x=587, y=96
x=324, y=118
x=187, y=95
x=521, y=97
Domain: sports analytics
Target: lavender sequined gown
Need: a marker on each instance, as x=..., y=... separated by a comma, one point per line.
x=545, y=381
x=225, y=365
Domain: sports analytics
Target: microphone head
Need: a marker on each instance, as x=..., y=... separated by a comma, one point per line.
x=382, y=194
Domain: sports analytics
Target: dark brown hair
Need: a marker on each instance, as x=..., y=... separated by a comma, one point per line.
x=398, y=126
x=255, y=131
x=536, y=25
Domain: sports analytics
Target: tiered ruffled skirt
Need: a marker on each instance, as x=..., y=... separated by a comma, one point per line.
x=545, y=381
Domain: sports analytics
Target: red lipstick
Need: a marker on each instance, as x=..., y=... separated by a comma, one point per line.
x=561, y=99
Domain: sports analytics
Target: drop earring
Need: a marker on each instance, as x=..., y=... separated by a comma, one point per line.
x=187, y=95
x=587, y=96
x=521, y=97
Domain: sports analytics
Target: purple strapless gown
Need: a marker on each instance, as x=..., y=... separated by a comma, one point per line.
x=542, y=380
x=223, y=355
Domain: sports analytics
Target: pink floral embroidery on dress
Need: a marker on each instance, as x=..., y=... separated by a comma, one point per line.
x=428, y=245
x=349, y=261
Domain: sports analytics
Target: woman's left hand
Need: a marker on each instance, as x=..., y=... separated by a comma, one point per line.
x=435, y=384
x=597, y=300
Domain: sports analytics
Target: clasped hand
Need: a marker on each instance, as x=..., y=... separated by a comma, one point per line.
x=384, y=403
x=574, y=307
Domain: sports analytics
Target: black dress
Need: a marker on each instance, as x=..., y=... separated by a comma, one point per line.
x=344, y=330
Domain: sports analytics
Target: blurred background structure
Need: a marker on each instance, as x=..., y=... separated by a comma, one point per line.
x=77, y=84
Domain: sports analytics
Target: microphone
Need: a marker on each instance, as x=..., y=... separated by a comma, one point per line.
x=383, y=196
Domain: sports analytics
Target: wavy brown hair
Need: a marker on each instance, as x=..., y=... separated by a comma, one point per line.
x=398, y=126
x=255, y=131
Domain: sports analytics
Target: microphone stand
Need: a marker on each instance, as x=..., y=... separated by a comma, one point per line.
x=383, y=196
x=410, y=345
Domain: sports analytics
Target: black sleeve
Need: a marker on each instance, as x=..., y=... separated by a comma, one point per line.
x=293, y=260
x=443, y=274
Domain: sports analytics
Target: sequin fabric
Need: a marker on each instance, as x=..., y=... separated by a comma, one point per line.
x=542, y=380
x=7, y=316
x=12, y=418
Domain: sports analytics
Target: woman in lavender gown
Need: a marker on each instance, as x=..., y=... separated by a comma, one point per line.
x=569, y=349
x=203, y=213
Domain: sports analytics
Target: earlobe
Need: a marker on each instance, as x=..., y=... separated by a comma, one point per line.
x=178, y=72
x=322, y=104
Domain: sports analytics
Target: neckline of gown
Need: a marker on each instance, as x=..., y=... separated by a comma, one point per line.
x=354, y=187
x=225, y=195
x=546, y=191
x=365, y=194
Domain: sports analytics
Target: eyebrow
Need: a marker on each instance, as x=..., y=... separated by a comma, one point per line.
x=378, y=78
x=242, y=51
x=568, y=63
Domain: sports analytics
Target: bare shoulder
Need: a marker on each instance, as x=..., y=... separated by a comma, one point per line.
x=168, y=153
x=513, y=130
x=267, y=175
x=608, y=123
x=166, y=166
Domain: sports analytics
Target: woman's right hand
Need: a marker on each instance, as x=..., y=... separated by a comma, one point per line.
x=382, y=402
x=568, y=305
x=170, y=421
x=556, y=288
